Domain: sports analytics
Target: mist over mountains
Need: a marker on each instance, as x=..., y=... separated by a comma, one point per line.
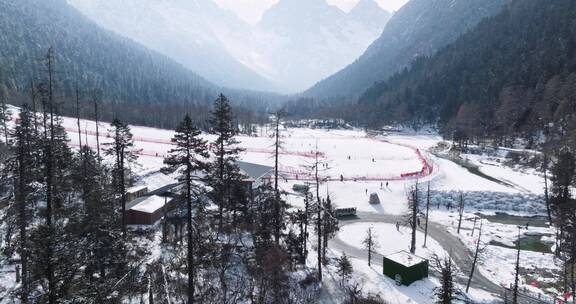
x=297, y=42
x=419, y=28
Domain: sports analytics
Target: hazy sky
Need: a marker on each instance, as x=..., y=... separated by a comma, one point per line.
x=251, y=10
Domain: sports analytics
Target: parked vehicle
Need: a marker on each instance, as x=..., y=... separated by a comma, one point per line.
x=345, y=212
x=301, y=188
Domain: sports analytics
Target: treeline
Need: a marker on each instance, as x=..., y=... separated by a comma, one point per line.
x=131, y=82
x=64, y=217
x=561, y=205
x=511, y=76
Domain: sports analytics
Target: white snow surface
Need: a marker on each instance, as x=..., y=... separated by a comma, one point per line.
x=392, y=157
x=150, y=205
x=390, y=241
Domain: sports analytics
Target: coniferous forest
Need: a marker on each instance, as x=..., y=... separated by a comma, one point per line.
x=127, y=178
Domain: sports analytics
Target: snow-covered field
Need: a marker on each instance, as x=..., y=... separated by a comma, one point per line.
x=390, y=240
x=355, y=156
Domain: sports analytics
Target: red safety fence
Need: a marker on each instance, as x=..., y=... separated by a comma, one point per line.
x=290, y=173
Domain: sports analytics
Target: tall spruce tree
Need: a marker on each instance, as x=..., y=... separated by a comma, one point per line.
x=224, y=173
x=412, y=216
x=121, y=148
x=188, y=158
x=23, y=167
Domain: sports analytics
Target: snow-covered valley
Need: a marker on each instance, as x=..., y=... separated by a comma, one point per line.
x=379, y=165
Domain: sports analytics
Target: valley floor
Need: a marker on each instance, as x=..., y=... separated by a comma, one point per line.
x=379, y=165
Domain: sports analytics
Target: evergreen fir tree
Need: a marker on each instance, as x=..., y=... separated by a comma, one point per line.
x=188, y=159
x=121, y=148
x=224, y=174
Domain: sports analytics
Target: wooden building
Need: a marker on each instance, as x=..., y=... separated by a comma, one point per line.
x=147, y=210
x=136, y=192
x=255, y=176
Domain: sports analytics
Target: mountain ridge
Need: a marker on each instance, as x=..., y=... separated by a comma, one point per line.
x=419, y=28
x=287, y=54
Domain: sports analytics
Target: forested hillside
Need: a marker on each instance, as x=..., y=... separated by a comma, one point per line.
x=127, y=75
x=511, y=76
x=420, y=28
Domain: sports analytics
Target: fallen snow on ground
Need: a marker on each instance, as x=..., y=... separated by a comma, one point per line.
x=498, y=263
x=390, y=240
x=351, y=154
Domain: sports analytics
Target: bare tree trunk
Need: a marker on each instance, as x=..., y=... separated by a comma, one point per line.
x=427, y=212
x=276, y=192
x=319, y=227
x=546, y=197
x=97, y=131
x=460, y=212
x=33, y=97
x=190, y=248
x=475, y=260
x=122, y=190
x=306, y=217
x=319, y=211
x=49, y=175
x=78, y=119
x=517, y=274
x=414, y=219
x=21, y=200
x=4, y=123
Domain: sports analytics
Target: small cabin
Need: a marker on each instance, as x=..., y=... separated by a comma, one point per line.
x=148, y=210
x=135, y=192
x=405, y=268
x=255, y=175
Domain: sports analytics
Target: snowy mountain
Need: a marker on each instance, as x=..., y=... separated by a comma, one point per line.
x=420, y=27
x=311, y=39
x=296, y=43
x=196, y=33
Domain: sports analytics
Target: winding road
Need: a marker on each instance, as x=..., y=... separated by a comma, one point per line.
x=461, y=256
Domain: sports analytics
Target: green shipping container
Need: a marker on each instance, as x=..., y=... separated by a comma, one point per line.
x=405, y=268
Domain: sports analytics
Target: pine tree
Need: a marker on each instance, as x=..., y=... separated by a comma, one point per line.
x=5, y=116
x=446, y=293
x=224, y=174
x=279, y=205
x=23, y=164
x=330, y=223
x=121, y=148
x=188, y=158
x=412, y=216
x=563, y=206
x=343, y=268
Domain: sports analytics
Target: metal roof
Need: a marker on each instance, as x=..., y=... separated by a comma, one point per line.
x=253, y=171
x=405, y=258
